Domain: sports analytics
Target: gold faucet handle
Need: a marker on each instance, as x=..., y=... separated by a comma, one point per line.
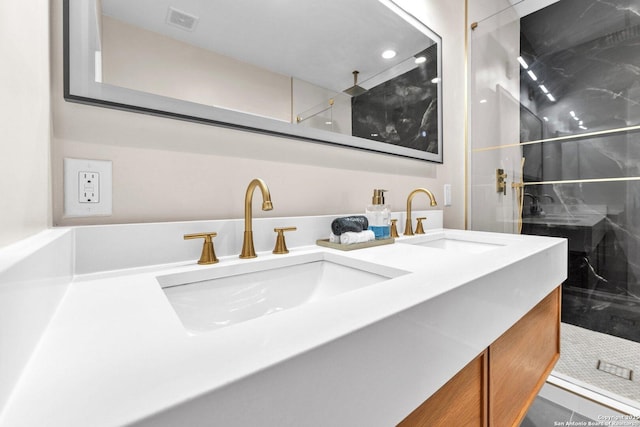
x=281, y=245
x=208, y=255
x=394, y=228
x=419, y=228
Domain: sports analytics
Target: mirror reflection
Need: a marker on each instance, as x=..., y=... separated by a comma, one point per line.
x=361, y=73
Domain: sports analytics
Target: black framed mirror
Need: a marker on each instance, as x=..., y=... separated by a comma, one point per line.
x=364, y=74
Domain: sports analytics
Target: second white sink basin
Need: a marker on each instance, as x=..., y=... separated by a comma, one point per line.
x=446, y=243
x=225, y=295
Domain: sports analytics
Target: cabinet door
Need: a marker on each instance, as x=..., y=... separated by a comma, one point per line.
x=462, y=401
x=520, y=361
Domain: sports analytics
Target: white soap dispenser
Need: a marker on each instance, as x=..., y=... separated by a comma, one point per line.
x=379, y=216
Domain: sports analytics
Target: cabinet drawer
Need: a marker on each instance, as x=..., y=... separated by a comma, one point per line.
x=520, y=361
x=462, y=401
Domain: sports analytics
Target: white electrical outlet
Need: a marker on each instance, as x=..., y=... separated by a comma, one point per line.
x=87, y=187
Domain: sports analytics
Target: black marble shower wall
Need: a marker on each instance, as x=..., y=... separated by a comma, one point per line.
x=583, y=170
x=403, y=110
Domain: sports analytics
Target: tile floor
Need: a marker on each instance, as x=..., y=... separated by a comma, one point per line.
x=545, y=413
x=581, y=349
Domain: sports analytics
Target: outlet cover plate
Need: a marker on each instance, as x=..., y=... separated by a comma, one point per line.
x=74, y=205
x=447, y=194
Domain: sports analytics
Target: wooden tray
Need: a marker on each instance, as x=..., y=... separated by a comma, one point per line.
x=341, y=247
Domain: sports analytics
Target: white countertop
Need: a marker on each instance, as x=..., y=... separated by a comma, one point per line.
x=116, y=353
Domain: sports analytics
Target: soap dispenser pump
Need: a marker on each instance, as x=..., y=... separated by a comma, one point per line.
x=379, y=216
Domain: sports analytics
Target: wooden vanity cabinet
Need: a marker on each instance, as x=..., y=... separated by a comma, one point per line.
x=521, y=360
x=462, y=401
x=497, y=388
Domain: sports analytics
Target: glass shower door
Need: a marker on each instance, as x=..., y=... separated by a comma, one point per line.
x=560, y=87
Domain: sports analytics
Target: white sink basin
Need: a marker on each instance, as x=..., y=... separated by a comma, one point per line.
x=446, y=243
x=220, y=296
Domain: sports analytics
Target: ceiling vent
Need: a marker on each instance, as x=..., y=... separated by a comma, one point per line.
x=180, y=19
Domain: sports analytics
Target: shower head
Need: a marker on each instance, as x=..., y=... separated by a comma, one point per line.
x=355, y=90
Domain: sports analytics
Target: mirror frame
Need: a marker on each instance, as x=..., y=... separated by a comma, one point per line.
x=81, y=40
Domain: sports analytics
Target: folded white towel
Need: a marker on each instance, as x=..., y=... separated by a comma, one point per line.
x=351, y=237
x=333, y=238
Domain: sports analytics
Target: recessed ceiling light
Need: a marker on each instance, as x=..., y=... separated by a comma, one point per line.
x=388, y=54
x=522, y=62
x=421, y=60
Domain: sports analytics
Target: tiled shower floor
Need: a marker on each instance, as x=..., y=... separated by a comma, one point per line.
x=581, y=349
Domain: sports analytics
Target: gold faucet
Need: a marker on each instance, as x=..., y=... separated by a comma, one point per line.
x=408, y=228
x=247, y=244
x=208, y=255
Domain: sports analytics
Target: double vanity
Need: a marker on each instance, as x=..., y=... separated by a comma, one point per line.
x=143, y=335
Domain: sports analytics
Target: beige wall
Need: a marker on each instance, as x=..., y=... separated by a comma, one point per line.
x=139, y=59
x=173, y=170
x=24, y=119
x=309, y=101
x=143, y=60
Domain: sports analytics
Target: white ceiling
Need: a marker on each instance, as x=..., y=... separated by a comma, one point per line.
x=321, y=42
